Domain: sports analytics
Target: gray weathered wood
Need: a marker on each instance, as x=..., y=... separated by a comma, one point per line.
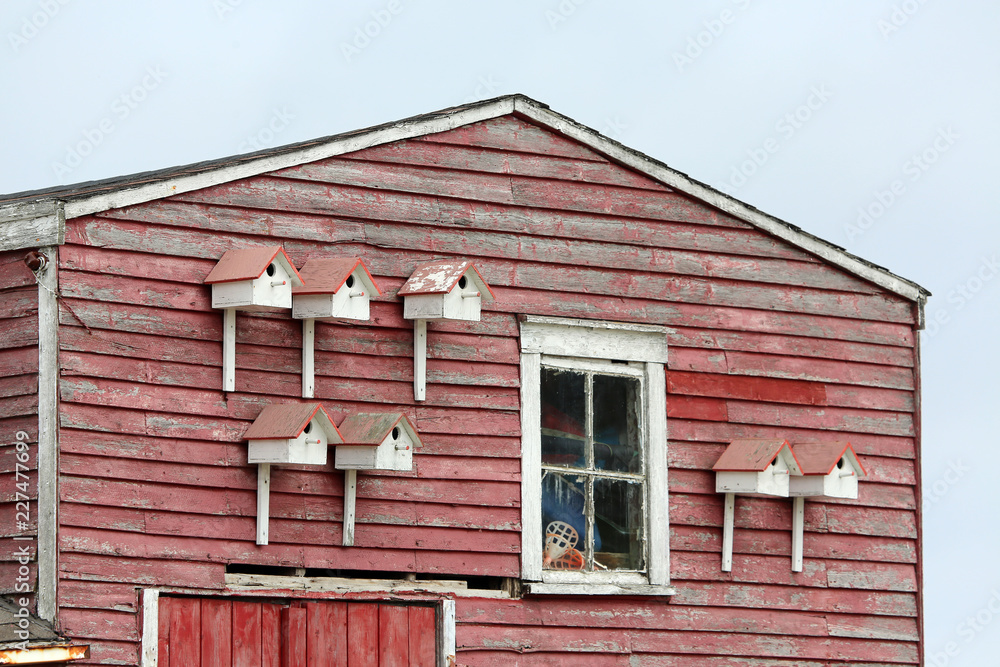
x=446, y=635
x=48, y=433
x=350, y=505
x=32, y=225
x=594, y=339
x=150, y=627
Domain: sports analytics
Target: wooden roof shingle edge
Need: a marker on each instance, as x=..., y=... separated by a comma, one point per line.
x=60, y=204
x=285, y=421
x=371, y=428
x=755, y=455
x=325, y=275
x=441, y=276
x=820, y=458
x=249, y=264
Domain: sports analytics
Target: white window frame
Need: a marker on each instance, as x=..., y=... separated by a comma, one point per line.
x=563, y=342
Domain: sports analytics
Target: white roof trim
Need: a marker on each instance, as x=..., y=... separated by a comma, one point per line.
x=52, y=225
x=719, y=200
x=339, y=146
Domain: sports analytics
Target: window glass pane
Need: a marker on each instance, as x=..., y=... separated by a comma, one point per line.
x=564, y=418
x=618, y=523
x=616, y=423
x=564, y=523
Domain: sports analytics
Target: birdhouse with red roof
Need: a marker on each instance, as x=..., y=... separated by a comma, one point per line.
x=377, y=441
x=829, y=469
x=292, y=433
x=756, y=467
x=253, y=279
x=334, y=289
x=446, y=289
x=286, y=433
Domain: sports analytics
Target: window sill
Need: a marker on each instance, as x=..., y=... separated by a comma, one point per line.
x=539, y=588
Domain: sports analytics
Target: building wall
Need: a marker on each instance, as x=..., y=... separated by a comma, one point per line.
x=765, y=341
x=18, y=412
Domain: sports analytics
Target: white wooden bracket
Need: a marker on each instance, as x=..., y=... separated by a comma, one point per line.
x=798, y=528
x=308, y=358
x=419, y=360
x=728, y=523
x=229, y=350
x=350, y=505
x=263, y=500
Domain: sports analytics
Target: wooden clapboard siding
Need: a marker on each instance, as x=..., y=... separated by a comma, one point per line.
x=18, y=414
x=765, y=340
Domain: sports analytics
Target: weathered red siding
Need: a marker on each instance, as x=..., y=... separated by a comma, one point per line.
x=18, y=407
x=766, y=341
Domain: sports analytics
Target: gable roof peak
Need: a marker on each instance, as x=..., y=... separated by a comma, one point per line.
x=96, y=196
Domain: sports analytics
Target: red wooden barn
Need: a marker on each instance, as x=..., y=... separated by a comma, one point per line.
x=561, y=507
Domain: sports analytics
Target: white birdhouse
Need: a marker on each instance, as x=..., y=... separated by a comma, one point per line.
x=751, y=467
x=756, y=467
x=377, y=441
x=334, y=289
x=254, y=279
x=446, y=289
x=292, y=433
x=829, y=469
x=286, y=433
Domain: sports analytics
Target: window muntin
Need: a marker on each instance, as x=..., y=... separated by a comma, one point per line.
x=592, y=473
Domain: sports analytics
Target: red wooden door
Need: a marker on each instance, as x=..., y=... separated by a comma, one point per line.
x=217, y=632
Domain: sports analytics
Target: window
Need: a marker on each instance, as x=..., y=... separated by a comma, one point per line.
x=594, y=469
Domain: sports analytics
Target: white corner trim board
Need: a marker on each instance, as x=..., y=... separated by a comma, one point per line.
x=149, y=656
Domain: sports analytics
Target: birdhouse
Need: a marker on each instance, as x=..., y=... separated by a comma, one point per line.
x=334, y=289
x=446, y=289
x=286, y=433
x=377, y=441
x=751, y=467
x=829, y=469
x=756, y=467
x=254, y=279
x=292, y=433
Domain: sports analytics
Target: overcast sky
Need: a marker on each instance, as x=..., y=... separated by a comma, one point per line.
x=871, y=124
